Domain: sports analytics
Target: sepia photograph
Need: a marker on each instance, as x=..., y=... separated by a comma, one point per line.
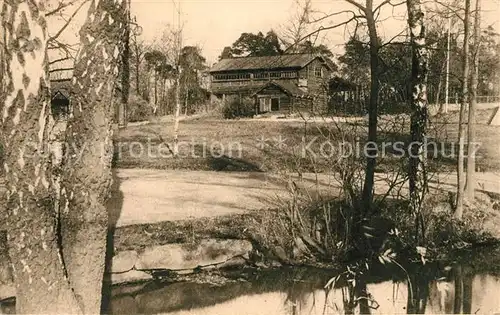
x=250, y=157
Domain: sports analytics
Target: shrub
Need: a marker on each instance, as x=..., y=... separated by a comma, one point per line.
x=234, y=107
x=138, y=109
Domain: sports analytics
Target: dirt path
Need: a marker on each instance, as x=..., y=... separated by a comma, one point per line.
x=147, y=196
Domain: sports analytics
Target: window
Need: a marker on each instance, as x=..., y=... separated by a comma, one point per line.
x=289, y=74
x=231, y=76
x=261, y=75
x=318, y=71
x=275, y=74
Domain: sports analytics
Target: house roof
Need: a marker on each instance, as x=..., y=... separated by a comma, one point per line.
x=265, y=62
x=287, y=87
x=60, y=87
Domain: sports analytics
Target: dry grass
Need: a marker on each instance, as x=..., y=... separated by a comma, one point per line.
x=237, y=144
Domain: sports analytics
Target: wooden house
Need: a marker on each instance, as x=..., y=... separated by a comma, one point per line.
x=345, y=98
x=278, y=84
x=60, y=74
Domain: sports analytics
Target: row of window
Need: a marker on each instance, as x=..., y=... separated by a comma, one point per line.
x=258, y=75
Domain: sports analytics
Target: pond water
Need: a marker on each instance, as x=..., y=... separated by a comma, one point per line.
x=468, y=285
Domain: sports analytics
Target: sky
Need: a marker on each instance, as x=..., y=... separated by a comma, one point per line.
x=214, y=24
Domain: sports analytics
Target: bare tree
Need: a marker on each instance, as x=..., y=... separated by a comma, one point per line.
x=139, y=49
x=369, y=12
x=471, y=126
x=461, y=129
x=298, y=25
x=419, y=107
x=62, y=11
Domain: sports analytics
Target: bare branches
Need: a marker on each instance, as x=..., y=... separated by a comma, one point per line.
x=322, y=28
x=59, y=60
x=359, y=6
x=329, y=15
x=62, y=5
x=67, y=22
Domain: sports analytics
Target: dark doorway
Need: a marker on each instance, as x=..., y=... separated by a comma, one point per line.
x=275, y=104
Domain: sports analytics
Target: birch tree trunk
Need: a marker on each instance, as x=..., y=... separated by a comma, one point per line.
x=86, y=177
x=39, y=273
x=471, y=126
x=418, y=104
x=461, y=129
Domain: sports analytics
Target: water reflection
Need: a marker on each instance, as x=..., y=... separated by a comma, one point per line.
x=432, y=291
x=470, y=287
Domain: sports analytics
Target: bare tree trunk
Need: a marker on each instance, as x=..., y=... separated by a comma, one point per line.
x=86, y=176
x=177, y=110
x=125, y=72
x=471, y=126
x=459, y=289
x=150, y=90
x=417, y=172
x=186, y=102
x=137, y=84
x=465, y=95
x=156, y=88
x=39, y=273
x=372, y=110
x=439, y=88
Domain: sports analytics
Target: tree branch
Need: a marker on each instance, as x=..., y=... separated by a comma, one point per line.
x=359, y=6
x=61, y=69
x=326, y=16
x=60, y=59
x=67, y=22
x=321, y=28
x=61, y=7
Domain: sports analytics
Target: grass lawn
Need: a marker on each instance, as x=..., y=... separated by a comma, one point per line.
x=278, y=145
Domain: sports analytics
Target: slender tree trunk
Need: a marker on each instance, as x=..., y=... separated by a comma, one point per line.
x=372, y=112
x=418, y=103
x=156, y=89
x=137, y=64
x=177, y=110
x=186, y=102
x=87, y=176
x=471, y=126
x=137, y=82
x=459, y=289
x=439, y=88
x=461, y=129
x=125, y=71
x=39, y=273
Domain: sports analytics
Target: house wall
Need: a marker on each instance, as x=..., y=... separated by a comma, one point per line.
x=316, y=86
x=215, y=85
x=275, y=92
